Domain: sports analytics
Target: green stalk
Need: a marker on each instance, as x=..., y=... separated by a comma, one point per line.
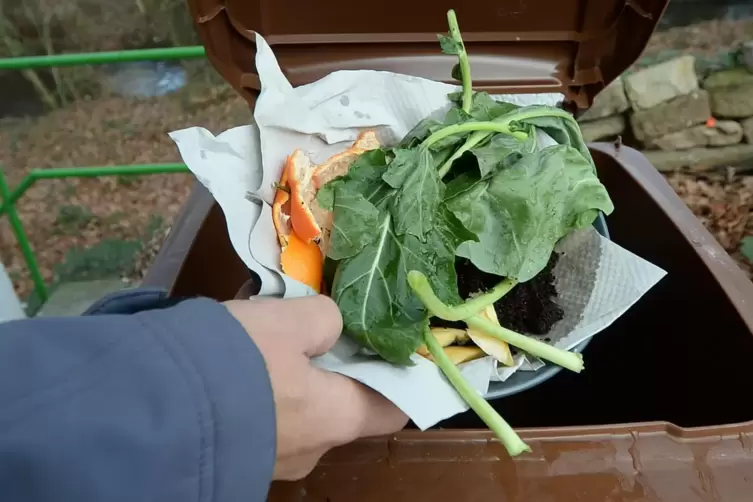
x=473, y=140
x=437, y=308
x=469, y=313
x=500, y=125
x=568, y=360
x=465, y=65
x=490, y=126
x=510, y=439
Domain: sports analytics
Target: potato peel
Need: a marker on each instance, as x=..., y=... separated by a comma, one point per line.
x=460, y=354
x=445, y=337
x=494, y=347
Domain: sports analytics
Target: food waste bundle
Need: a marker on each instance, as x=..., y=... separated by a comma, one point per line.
x=453, y=229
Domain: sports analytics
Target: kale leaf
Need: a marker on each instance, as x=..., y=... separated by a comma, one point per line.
x=389, y=219
x=521, y=212
x=371, y=288
x=421, y=190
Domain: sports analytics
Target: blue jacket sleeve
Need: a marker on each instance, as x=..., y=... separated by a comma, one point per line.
x=168, y=404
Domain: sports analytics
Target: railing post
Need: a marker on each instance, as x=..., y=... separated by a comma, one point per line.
x=23, y=241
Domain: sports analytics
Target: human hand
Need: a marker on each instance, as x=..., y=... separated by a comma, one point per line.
x=316, y=410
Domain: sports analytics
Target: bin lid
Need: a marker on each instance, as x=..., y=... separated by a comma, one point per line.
x=573, y=47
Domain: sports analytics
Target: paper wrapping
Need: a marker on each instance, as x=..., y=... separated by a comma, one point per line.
x=597, y=280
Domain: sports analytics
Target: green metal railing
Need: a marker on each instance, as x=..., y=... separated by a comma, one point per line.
x=9, y=197
x=94, y=58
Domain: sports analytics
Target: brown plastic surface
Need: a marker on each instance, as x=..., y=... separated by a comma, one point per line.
x=574, y=47
x=662, y=413
x=640, y=463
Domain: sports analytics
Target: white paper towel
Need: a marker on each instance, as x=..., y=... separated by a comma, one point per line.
x=597, y=279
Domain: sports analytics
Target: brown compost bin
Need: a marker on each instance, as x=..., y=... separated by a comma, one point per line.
x=664, y=411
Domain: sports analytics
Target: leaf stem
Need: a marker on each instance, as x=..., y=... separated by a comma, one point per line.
x=499, y=125
x=473, y=140
x=437, y=308
x=465, y=66
x=469, y=313
x=490, y=126
x=510, y=439
x=568, y=360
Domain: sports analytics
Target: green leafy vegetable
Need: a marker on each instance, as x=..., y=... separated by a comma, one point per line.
x=502, y=151
x=450, y=46
x=371, y=288
x=484, y=107
x=420, y=131
x=377, y=239
x=472, y=185
x=416, y=204
x=563, y=129
x=402, y=167
x=429, y=126
x=521, y=212
x=351, y=212
x=364, y=177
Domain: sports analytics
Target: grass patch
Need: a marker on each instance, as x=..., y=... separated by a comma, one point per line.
x=72, y=218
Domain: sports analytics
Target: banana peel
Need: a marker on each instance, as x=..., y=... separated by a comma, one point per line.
x=494, y=347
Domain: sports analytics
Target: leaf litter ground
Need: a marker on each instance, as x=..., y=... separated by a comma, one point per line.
x=111, y=130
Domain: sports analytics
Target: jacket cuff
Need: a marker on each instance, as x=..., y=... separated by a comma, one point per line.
x=233, y=392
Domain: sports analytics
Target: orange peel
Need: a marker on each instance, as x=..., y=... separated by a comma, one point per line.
x=300, y=260
x=280, y=210
x=338, y=164
x=299, y=172
x=303, y=262
x=301, y=224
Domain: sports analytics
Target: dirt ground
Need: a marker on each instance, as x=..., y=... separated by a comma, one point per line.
x=65, y=217
x=723, y=202
x=74, y=214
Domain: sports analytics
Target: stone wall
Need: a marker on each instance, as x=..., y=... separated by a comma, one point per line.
x=679, y=119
